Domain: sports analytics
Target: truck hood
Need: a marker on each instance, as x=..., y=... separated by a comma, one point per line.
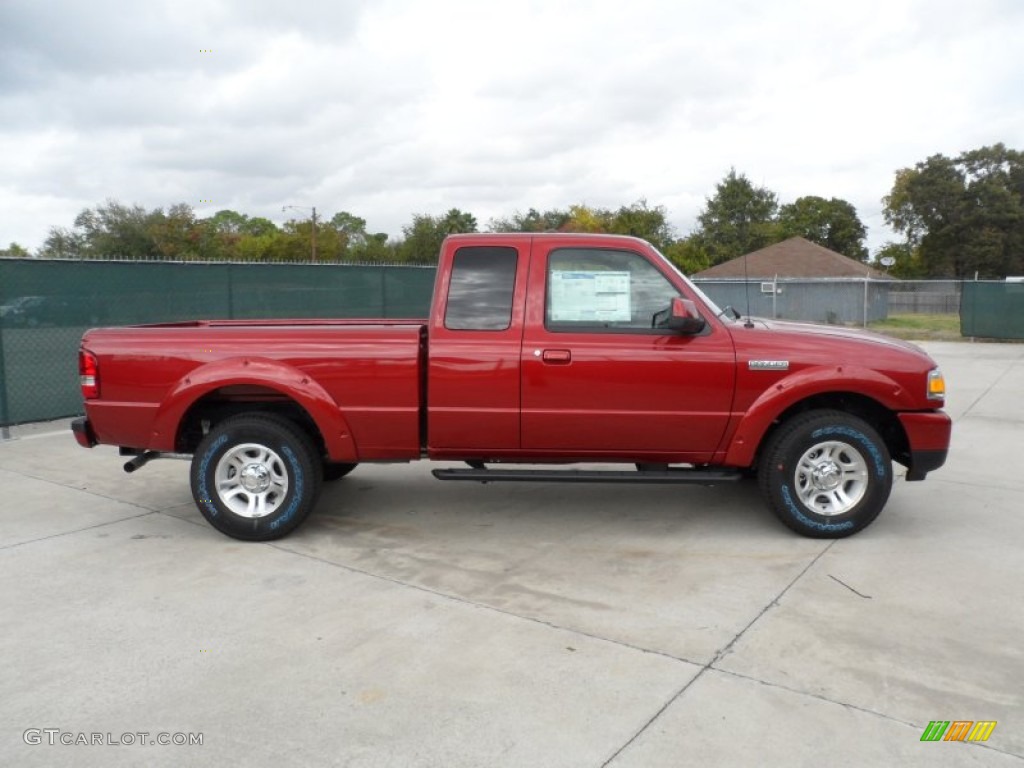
x=807, y=344
x=856, y=335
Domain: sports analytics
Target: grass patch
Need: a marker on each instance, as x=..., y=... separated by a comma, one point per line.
x=921, y=327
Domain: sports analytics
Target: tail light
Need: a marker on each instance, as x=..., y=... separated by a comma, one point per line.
x=88, y=374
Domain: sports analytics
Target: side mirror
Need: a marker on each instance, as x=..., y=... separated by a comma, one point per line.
x=684, y=317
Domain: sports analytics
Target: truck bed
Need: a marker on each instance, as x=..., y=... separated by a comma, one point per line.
x=370, y=370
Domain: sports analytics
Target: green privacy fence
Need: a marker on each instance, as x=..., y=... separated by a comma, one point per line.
x=45, y=306
x=993, y=310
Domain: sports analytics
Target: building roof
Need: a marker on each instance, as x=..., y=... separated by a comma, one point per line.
x=796, y=257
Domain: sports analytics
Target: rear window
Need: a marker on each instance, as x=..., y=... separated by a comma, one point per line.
x=481, y=288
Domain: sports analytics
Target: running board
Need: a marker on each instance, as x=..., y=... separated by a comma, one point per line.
x=691, y=476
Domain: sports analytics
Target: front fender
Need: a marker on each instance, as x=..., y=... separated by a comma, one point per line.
x=818, y=380
x=271, y=374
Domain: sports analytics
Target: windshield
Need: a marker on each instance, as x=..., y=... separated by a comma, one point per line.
x=703, y=296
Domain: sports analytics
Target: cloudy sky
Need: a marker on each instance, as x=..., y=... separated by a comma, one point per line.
x=387, y=108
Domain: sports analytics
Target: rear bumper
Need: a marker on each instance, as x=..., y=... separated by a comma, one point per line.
x=82, y=430
x=928, y=438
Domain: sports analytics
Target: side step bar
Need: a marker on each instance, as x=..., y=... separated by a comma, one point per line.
x=682, y=475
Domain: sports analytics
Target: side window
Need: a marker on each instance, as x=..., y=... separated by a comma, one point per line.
x=481, y=288
x=603, y=290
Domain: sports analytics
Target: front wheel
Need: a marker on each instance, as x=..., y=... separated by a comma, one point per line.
x=255, y=477
x=826, y=474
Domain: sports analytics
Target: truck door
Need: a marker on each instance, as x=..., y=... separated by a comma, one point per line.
x=599, y=380
x=474, y=348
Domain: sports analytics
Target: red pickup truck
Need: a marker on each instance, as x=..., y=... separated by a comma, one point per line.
x=541, y=351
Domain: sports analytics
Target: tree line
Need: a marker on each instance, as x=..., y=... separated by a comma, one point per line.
x=956, y=217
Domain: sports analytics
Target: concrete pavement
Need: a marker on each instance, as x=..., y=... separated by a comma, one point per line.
x=417, y=623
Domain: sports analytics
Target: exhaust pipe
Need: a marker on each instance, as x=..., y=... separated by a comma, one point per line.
x=140, y=461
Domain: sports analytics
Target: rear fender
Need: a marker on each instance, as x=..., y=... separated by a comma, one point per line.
x=819, y=380
x=271, y=374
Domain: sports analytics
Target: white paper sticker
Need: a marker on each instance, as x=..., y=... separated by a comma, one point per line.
x=584, y=296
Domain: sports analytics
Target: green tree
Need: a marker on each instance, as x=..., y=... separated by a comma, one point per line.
x=688, y=254
x=228, y=222
x=907, y=260
x=456, y=221
x=641, y=220
x=295, y=242
x=360, y=245
x=235, y=236
x=376, y=249
x=255, y=247
x=175, y=234
x=62, y=243
x=583, y=218
x=351, y=228
x=737, y=219
x=421, y=242
x=831, y=223
x=14, y=251
x=257, y=226
x=113, y=230
x=962, y=215
x=552, y=220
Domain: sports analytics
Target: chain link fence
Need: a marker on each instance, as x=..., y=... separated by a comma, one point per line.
x=45, y=306
x=924, y=297
x=835, y=301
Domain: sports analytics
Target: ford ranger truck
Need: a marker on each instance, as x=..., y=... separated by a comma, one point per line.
x=542, y=354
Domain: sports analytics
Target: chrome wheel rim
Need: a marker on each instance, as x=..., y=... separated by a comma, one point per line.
x=831, y=478
x=251, y=480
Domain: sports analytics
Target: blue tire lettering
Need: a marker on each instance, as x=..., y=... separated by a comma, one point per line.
x=795, y=510
x=204, y=494
x=297, y=475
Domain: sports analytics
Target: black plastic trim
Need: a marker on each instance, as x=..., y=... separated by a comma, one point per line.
x=691, y=476
x=81, y=426
x=923, y=462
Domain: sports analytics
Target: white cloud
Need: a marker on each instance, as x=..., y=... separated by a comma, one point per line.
x=400, y=107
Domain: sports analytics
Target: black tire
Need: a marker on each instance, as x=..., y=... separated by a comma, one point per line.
x=283, y=470
x=336, y=470
x=826, y=474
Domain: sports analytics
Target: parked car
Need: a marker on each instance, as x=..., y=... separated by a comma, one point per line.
x=30, y=311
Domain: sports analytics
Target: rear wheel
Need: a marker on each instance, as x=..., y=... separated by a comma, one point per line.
x=826, y=474
x=255, y=477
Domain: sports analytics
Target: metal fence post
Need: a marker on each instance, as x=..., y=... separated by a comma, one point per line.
x=231, y=293
x=5, y=432
x=865, y=301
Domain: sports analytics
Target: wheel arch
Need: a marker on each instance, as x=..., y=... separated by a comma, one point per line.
x=760, y=424
x=883, y=419
x=226, y=388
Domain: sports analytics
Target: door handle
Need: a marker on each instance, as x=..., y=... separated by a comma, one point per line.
x=557, y=356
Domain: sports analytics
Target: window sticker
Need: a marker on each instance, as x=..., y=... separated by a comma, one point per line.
x=589, y=296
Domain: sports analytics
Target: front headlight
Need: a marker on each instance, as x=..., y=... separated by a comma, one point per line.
x=936, y=385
